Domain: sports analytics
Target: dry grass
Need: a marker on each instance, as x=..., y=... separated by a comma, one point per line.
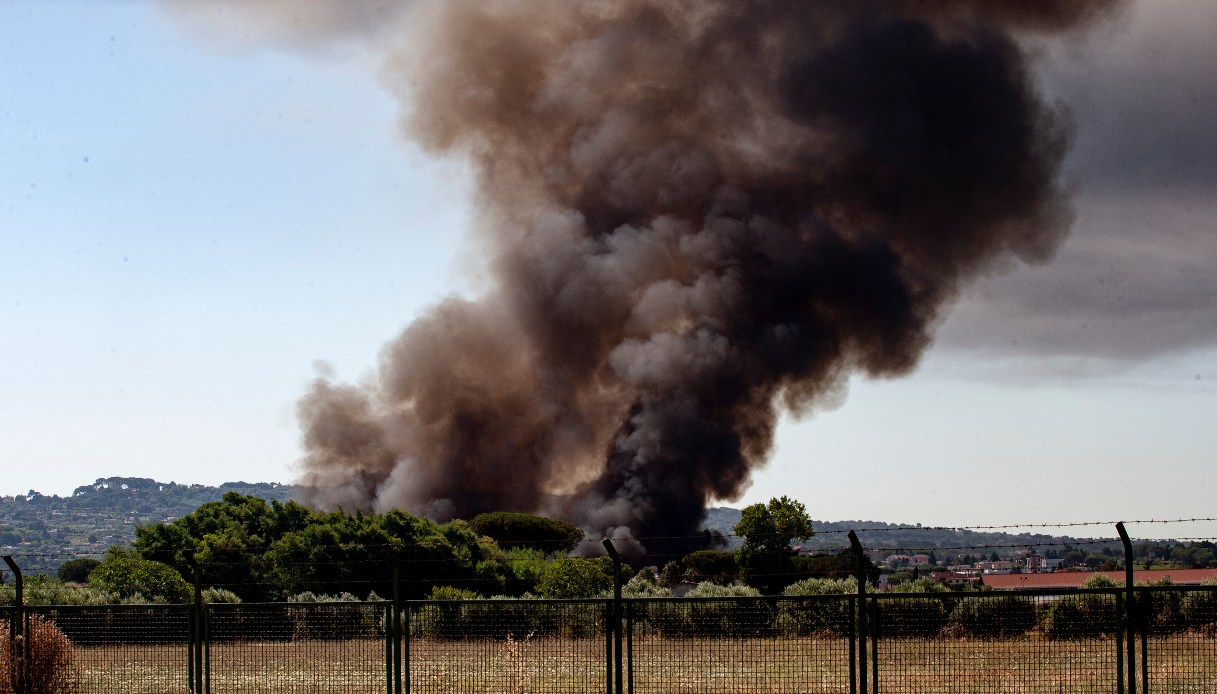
x=1181, y=663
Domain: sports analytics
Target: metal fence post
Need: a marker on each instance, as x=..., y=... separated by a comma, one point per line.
x=612, y=551
x=1130, y=623
x=398, y=637
x=194, y=646
x=859, y=554
x=629, y=645
x=16, y=640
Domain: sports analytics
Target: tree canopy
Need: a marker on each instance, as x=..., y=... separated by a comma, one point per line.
x=515, y=530
x=766, y=559
x=271, y=551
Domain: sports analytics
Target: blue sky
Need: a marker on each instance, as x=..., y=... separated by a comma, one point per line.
x=191, y=225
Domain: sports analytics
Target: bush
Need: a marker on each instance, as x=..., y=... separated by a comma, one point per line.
x=1081, y=616
x=46, y=590
x=220, y=595
x=915, y=616
x=128, y=575
x=340, y=616
x=48, y=669
x=993, y=615
x=77, y=570
x=816, y=614
x=713, y=610
x=574, y=578
x=1198, y=608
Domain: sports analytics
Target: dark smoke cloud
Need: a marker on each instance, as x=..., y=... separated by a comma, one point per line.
x=697, y=214
x=1134, y=282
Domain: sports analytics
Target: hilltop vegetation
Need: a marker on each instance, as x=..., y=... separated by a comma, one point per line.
x=49, y=529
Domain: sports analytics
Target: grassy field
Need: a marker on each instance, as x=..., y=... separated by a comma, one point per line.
x=1180, y=663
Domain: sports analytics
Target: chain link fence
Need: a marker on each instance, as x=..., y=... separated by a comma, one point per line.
x=995, y=641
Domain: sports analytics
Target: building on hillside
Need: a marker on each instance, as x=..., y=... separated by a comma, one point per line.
x=995, y=567
x=1075, y=579
x=956, y=578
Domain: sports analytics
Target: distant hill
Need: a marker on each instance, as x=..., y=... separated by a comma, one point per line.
x=893, y=538
x=46, y=530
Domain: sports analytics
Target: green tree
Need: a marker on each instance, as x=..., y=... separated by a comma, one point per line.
x=575, y=577
x=713, y=565
x=77, y=570
x=766, y=559
x=512, y=530
x=128, y=575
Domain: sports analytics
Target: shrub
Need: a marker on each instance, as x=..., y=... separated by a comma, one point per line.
x=915, y=616
x=128, y=575
x=1198, y=608
x=47, y=590
x=574, y=578
x=220, y=595
x=993, y=615
x=77, y=570
x=715, y=610
x=1080, y=616
x=816, y=614
x=341, y=616
x=48, y=669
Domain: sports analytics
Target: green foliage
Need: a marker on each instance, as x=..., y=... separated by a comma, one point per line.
x=645, y=585
x=843, y=564
x=773, y=526
x=41, y=589
x=220, y=595
x=104, y=513
x=266, y=551
x=816, y=614
x=766, y=559
x=525, y=569
x=575, y=577
x=327, y=617
x=711, y=565
x=77, y=570
x=712, y=611
x=1198, y=609
x=915, y=616
x=993, y=616
x=1083, y=615
x=129, y=576
x=452, y=593
x=523, y=530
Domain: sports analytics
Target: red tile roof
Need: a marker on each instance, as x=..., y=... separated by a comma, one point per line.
x=1075, y=579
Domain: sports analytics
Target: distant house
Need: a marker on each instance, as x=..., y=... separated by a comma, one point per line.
x=995, y=567
x=1075, y=579
x=956, y=578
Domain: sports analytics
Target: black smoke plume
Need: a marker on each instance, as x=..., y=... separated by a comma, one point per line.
x=698, y=214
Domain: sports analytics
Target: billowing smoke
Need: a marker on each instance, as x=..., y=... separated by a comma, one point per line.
x=698, y=213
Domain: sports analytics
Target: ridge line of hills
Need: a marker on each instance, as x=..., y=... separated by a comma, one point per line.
x=45, y=530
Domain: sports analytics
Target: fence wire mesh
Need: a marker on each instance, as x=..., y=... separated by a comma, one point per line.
x=507, y=646
x=740, y=645
x=999, y=641
x=334, y=647
x=112, y=648
x=1180, y=651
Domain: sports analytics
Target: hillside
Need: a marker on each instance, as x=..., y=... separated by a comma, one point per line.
x=883, y=539
x=46, y=530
